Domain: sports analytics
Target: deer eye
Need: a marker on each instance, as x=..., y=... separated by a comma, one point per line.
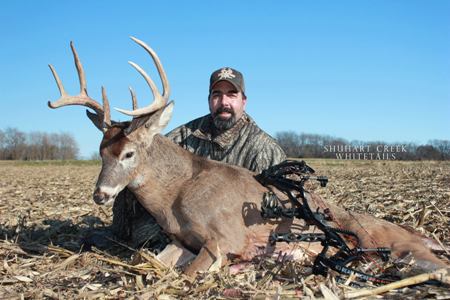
x=129, y=154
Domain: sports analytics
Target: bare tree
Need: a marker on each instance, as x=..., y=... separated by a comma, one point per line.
x=289, y=142
x=67, y=147
x=2, y=144
x=15, y=145
x=428, y=152
x=34, y=141
x=443, y=146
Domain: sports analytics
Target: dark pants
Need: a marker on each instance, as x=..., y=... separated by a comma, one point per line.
x=133, y=224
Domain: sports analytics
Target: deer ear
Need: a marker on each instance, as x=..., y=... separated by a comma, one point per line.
x=95, y=119
x=98, y=121
x=166, y=115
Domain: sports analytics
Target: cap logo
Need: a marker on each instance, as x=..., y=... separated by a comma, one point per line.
x=226, y=73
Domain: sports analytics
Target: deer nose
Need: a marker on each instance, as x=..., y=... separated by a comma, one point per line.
x=99, y=196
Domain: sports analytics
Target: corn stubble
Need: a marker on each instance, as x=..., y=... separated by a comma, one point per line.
x=47, y=209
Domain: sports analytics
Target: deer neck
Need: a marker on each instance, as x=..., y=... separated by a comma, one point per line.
x=159, y=181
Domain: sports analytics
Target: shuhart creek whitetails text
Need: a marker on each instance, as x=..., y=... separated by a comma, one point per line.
x=365, y=152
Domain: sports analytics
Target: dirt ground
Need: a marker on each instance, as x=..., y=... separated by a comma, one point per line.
x=46, y=209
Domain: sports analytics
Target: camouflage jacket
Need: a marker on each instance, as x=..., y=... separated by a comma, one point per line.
x=245, y=144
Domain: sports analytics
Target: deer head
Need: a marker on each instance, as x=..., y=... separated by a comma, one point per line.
x=124, y=145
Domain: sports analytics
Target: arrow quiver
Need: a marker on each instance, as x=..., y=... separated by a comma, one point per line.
x=289, y=177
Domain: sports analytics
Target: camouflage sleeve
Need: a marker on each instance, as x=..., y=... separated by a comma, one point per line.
x=177, y=135
x=270, y=155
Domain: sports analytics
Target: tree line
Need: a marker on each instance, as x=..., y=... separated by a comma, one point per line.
x=18, y=145
x=300, y=145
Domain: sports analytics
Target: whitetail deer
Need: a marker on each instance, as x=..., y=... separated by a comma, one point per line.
x=211, y=208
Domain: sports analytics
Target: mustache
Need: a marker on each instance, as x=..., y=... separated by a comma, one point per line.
x=224, y=109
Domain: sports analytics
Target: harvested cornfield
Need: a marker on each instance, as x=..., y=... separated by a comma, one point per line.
x=46, y=210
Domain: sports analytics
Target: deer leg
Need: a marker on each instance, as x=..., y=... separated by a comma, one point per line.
x=402, y=243
x=380, y=233
x=209, y=253
x=424, y=259
x=175, y=255
x=374, y=232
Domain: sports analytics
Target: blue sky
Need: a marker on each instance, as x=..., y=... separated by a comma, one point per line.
x=367, y=70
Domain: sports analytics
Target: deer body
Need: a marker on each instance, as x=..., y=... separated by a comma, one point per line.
x=190, y=200
x=211, y=208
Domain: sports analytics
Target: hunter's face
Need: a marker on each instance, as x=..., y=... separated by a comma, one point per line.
x=226, y=104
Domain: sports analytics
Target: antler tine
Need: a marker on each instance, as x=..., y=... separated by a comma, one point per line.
x=133, y=98
x=147, y=78
x=156, y=60
x=159, y=100
x=107, y=114
x=80, y=70
x=62, y=91
x=80, y=99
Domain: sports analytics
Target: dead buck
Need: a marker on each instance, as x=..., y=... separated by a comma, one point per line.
x=211, y=208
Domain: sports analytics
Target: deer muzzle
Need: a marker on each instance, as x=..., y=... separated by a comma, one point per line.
x=102, y=197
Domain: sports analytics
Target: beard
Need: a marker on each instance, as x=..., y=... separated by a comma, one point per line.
x=224, y=124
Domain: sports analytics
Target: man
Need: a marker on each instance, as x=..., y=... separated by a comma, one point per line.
x=227, y=134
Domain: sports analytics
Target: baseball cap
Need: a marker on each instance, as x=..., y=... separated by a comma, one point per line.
x=228, y=74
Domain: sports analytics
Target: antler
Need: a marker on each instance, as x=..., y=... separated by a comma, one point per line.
x=159, y=100
x=82, y=98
